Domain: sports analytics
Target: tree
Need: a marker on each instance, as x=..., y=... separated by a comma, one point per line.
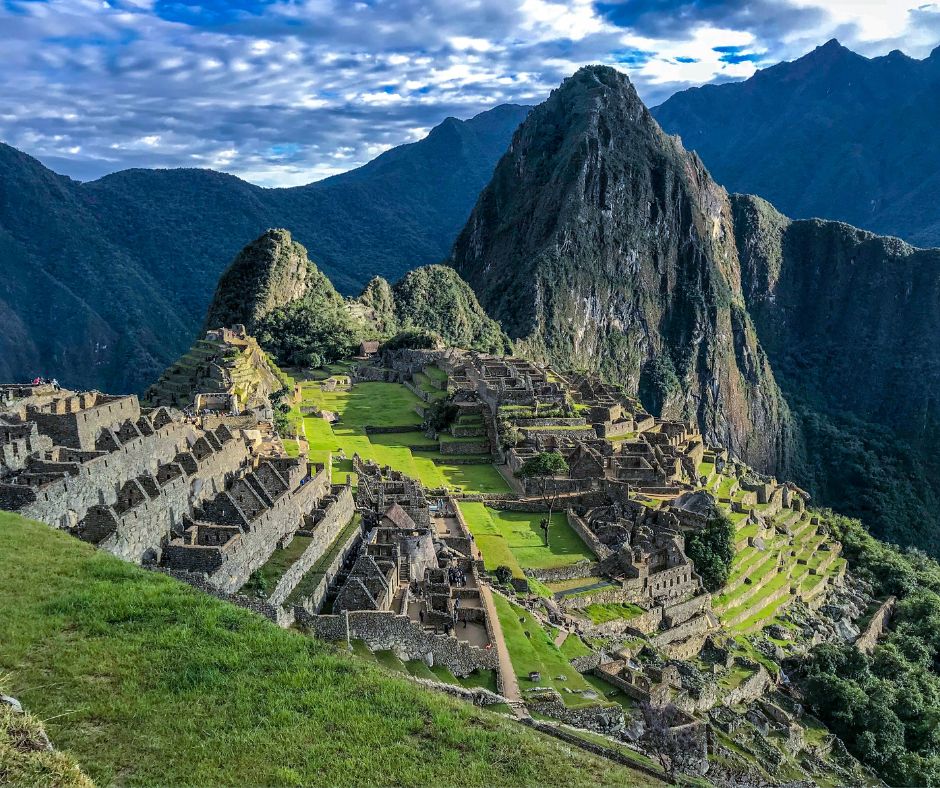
x=711, y=550
x=543, y=468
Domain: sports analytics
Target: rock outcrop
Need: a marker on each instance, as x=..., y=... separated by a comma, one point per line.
x=600, y=243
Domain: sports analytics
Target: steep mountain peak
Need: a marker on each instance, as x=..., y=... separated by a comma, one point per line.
x=268, y=273
x=600, y=243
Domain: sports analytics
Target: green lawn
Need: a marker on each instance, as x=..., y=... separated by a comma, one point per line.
x=514, y=539
x=146, y=681
x=537, y=652
x=387, y=405
x=602, y=613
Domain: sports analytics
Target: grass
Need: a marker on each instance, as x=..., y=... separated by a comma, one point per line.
x=267, y=577
x=291, y=447
x=146, y=681
x=387, y=405
x=23, y=759
x=501, y=534
x=602, y=613
x=537, y=652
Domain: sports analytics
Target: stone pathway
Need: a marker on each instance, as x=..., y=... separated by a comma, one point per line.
x=510, y=685
x=561, y=637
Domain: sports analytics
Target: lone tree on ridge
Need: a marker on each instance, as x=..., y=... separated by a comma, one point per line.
x=542, y=469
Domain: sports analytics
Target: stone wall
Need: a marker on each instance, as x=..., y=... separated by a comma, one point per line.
x=66, y=500
x=682, y=611
x=79, y=428
x=388, y=631
x=336, y=517
x=867, y=641
x=581, y=528
x=697, y=625
x=749, y=690
x=481, y=446
x=230, y=565
x=569, y=572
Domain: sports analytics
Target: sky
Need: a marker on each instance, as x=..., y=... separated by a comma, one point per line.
x=285, y=92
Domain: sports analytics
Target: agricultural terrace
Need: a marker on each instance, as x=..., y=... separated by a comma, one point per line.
x=514, y=539
x=387, y=405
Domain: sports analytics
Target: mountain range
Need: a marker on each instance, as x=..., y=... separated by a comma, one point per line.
x=122, y=269
x=599, y=242
x=832, y=135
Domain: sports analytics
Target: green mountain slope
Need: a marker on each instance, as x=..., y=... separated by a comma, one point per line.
x=158, y=684
x=435, y=298
x=103, y=284
x=601, y=244
x=832, y=134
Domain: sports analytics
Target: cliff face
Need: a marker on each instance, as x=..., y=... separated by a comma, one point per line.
x=850, y=322
x=600, y=243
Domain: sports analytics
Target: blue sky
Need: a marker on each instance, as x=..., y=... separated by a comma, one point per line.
x=283, y=92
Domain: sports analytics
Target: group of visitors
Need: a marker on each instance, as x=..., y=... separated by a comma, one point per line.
x=39, y=381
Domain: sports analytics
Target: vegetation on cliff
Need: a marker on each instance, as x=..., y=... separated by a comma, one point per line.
x=886, y=706
x=849, y=321
x=434, y=298
x=286, y=302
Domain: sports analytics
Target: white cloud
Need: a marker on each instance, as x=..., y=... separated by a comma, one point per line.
x=274, y=96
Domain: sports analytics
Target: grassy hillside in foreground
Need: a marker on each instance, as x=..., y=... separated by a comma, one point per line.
x=146, y=681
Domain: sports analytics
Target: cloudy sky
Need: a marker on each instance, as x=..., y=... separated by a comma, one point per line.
x=283, y=92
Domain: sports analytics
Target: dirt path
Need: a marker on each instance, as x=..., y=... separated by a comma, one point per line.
x=561, y=637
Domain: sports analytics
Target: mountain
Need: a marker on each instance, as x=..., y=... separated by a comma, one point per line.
x=850, y=321
x=832, y=135
x=434, y=298
x=600, y=243
x=286, y=302
x=292, y=308
x=122, y=269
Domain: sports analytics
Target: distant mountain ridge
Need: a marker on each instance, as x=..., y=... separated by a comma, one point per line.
x=831, y=135
x=122, y=269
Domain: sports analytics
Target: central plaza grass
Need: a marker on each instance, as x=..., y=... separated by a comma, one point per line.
x=514, y=539
x=387, y=405
x=146, y=681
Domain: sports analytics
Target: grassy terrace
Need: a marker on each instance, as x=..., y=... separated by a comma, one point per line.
x=146, y=681
x=387, y=405
x=537, y=652
x=514, y=539
x=267, y=577
x=313, y=576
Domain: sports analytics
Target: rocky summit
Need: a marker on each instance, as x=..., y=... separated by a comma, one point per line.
x=601, y=243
